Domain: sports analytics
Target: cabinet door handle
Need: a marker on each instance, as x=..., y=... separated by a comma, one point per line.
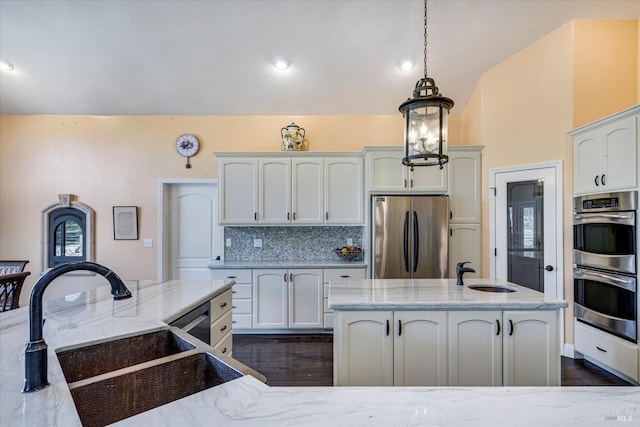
x=387, y=327
x=285, y=277
x=411, y=183
x=602, y=180
x=224, y=350
x=450, y=215
x=498, y=322
x=399, y=327
x=326, y=215
x=291, y=277
x=223, y=305
x=405, y=183
x=510, y=327
x=601, y=349
x=450, y=232
x=288, y=216
x=224, y=328
x=596, y=181
x=294, y=216
x=255, y=216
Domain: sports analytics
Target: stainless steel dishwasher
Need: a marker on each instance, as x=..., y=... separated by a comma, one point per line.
x=197, y=322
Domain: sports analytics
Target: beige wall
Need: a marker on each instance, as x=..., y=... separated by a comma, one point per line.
x=605, y=72
x=118, y=160
x=522, y=109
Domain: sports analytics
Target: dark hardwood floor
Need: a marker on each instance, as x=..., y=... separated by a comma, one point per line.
x=307, y=360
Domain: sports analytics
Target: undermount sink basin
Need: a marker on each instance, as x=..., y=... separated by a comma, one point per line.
x=492, y=288
x=113, y=397
x=96, y=359
x=117, y=379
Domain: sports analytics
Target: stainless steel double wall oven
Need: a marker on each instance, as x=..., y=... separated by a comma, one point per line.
x=604, y=257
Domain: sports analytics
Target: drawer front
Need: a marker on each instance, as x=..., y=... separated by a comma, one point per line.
x=242, y=306
x=224, y=345
x=328, y=320
x=240, y=276
x=242, y=291
x=343, y=273
x=242, y=321
x=220, y=328
x=610, y=350
x=220, y=305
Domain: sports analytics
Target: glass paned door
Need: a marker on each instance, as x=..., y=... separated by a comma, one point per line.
x=525, y=233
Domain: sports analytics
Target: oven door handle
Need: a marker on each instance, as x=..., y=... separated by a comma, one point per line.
x=627, y=283
x=613, y=218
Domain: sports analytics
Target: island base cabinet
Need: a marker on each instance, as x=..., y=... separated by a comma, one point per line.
x=475, y=348
x=363, y=349
x=531, y=354
x=420, y=348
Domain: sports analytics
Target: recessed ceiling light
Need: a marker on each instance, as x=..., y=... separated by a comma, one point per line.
x=281, y=62
x=5, y=65
x=405, y=64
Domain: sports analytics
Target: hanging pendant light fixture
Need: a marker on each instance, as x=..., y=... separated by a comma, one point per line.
x=425, y=120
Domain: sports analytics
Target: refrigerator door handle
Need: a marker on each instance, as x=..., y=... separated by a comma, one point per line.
x=416, y=242
x=405, y=246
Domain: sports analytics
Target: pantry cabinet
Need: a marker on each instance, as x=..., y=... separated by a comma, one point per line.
x=606, y=154
x=457, y=348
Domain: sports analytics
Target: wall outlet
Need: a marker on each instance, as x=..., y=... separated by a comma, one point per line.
x=227, y=243
x=350, y=242
x=257, y=243
x=148, y=243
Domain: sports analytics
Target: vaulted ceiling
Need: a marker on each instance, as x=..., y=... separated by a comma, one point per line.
x=201, y=57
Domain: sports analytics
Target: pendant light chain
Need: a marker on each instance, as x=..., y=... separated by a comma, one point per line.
x=425, y=39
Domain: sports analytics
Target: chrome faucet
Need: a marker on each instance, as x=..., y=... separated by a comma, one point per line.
x=35, y=351
x=460, y=270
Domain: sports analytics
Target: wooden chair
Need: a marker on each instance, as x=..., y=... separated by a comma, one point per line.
x=11, y=267
x=10, y=287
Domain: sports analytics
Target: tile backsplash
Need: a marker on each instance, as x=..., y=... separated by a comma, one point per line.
x=288, y=243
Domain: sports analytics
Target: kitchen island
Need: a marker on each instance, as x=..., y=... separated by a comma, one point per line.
x=93, y=315
x=432, y=332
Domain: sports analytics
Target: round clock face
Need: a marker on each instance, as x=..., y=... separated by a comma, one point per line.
x=187, y=145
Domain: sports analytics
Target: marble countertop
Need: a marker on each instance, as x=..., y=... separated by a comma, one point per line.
x=434, y=294
x=93, y=316
x=220, y=265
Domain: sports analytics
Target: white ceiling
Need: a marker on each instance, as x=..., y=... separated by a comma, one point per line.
x=112, y=57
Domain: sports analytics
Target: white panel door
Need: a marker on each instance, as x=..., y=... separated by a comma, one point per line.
x=475, y=348
x=195, y=234
x=420, y=348
x=306, y=301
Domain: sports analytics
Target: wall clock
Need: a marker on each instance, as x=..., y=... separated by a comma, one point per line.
x=187, y=145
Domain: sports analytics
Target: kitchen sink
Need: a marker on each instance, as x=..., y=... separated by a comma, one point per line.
x=96, y=359
x=492, y=288
x=114, y=396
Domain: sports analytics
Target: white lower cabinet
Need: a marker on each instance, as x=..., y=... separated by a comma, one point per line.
x=242, y=296
x=458, y=348
x=287, y=298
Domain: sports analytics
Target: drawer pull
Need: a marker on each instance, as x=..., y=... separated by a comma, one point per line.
x=233, y=292
x=344, y=276
x=223, y=305
x=601, y=349
x=234, y=321
x=231, y=277
x=224, y=350
x=223, y=328
x=233, y=306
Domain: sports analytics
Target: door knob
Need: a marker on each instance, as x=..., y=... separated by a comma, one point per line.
x=549, y=268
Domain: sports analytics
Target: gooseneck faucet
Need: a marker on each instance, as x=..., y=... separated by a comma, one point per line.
x=35, y=351
x=460, y=270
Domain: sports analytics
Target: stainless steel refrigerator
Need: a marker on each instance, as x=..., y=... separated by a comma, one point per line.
x=409, y=236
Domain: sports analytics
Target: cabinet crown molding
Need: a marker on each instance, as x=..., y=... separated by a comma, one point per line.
x=631, y=111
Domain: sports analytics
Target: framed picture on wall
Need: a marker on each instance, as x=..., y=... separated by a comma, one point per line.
x=125, y=223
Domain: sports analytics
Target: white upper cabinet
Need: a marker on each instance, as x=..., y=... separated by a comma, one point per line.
x=344, y=190
x=275, y=191
x=464, y=184
x=307, y=194
x=301, y=189
x=238, y=190
x=606, y=154
x=387, y=174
